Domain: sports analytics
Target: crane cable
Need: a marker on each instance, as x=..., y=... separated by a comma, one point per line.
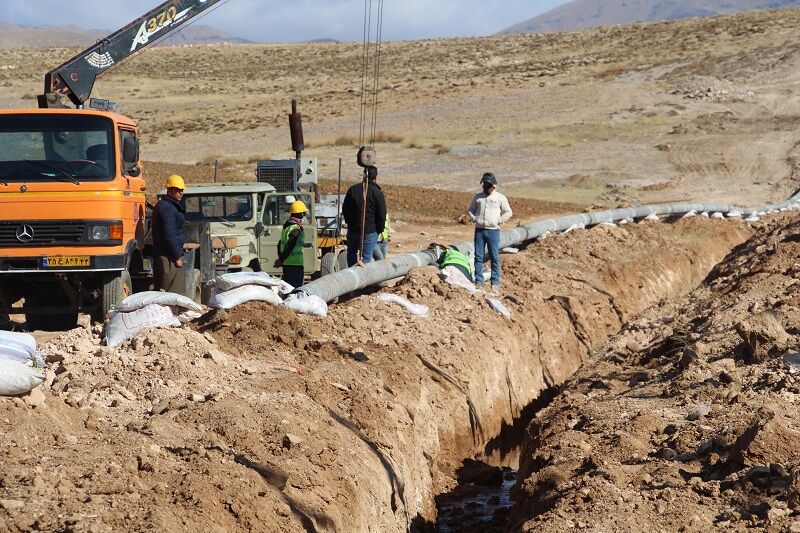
x=365, y=99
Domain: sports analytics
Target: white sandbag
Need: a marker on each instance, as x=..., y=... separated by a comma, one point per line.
x=717, y=216
x=414, y=309
x=24, y=338
x=126, y=325
x=498, y=306
x=752, y=218
x=690, y=214
x=18, y=378
x=307, y=304
x=608, y=224
x=232, y=280
x=704, y=214
x=20, y=347
x=652, y=217
x=510, y=250
x=734, y=214
x=143, y=299
x=453, y=275
x=245, y=293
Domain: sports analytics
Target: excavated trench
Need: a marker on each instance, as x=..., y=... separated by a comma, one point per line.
x=480, y=500
x=352, y=423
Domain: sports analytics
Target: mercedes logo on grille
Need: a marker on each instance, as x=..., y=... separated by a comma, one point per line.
x=24, y=233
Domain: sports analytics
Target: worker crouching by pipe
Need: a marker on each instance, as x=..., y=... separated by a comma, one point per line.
x=291, y=245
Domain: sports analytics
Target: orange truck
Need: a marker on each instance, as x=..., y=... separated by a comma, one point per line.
x=72, y=195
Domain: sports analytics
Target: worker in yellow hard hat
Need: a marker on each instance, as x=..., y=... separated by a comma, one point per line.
x=169, y=215
x=291, y=245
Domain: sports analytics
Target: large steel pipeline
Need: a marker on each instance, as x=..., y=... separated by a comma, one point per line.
x=358, y=277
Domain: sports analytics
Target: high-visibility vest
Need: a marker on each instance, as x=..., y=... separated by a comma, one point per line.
x=295, y=257
x=454, y=257
x=386, y=233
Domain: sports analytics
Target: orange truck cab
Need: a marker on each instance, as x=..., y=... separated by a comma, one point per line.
x=72, y=213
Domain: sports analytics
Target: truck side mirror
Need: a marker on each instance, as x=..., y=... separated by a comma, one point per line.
x=259, y=229
x=129, y=150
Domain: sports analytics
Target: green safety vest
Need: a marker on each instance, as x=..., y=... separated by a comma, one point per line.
x=386, y=233
x=295, y=257
x=454, y=257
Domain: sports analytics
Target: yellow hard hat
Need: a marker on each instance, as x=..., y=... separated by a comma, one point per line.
x=297, y=207
x=176, y=182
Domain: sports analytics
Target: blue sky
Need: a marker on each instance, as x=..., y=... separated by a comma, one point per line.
x=297, y=20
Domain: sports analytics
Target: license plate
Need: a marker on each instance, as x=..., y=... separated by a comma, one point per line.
x=66, y=261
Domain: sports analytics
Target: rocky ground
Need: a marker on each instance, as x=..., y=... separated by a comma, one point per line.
x=687, y=420
x=258, y=419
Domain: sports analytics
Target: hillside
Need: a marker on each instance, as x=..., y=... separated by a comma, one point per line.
x=23, y=36
x=580, y=14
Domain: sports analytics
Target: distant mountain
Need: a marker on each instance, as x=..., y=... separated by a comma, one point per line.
x=580, y=14
x=21, y=36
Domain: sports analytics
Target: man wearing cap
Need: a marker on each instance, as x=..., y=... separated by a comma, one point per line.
x=290, y=247
x=169, y=238
x=488, y=210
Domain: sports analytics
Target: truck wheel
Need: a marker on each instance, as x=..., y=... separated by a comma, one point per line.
x=32, y=322
x=116, y=287
x=328, y=264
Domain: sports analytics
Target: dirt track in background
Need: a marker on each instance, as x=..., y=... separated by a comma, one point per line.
x=703, y=108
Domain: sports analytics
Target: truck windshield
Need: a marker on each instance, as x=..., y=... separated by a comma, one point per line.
x=40, y=147
x=230, y=207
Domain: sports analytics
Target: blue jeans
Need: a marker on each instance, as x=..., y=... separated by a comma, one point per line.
x=370, y=239
x=487, y=238
x=381, y=251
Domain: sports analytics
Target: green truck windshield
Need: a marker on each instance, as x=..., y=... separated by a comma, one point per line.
x=38, y=147
x=230, y=207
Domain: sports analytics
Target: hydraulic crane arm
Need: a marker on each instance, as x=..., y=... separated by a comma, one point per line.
x=75, y=78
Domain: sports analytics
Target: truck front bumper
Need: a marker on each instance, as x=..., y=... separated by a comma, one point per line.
x=39, y=264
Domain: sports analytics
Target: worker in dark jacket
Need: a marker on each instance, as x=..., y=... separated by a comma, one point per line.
x=374, y=217
x=290, y=247
x=168, y=238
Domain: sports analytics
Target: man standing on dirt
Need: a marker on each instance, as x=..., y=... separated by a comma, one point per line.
x=374, y=211
x=291, y=245
x=169, y=238
x=488, y=210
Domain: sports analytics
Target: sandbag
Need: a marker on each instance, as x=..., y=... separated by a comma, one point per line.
x=20, y=347
x=232, y=280
x=18, y=378
x=308, y=304
x=498, y=306
x=245, y=293
x=414, y=309
x=143, y=299
x=123, y=326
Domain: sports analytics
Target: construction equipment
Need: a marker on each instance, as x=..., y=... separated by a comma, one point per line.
x=72, y=201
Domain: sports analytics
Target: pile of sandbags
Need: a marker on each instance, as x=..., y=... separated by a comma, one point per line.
x=230, y=290
x=149, y=309
x=21, y=366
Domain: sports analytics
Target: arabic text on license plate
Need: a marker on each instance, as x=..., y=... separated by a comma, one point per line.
x=66, y=261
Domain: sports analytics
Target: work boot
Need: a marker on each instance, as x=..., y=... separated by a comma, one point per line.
x=496, y=290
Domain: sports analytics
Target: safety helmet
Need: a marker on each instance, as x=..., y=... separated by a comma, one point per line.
x=488, y=177
x=176, y=182
x=297, y=207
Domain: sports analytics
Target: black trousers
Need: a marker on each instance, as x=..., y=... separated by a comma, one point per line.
x=293, y=275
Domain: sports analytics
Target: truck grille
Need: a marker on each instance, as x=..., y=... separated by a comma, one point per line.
x=43, y=233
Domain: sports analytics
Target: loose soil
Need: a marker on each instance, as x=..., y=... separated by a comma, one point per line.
x=263, y=420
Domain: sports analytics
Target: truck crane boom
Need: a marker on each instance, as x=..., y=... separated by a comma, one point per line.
x=75, y=77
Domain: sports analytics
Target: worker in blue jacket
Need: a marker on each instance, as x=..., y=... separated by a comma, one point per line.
x=169, y=215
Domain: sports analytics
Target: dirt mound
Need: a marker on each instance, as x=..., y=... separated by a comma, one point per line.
x=261, y=420
x=688, y=416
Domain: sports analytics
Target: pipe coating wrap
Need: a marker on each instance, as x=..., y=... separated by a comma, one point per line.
x=354, y=278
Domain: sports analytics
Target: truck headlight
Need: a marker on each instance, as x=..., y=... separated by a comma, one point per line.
x=105, y=232
x=100, y=233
